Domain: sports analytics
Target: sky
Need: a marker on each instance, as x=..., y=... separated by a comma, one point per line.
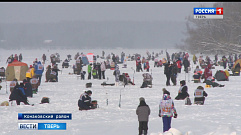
x=113, y=24
x=45, y=12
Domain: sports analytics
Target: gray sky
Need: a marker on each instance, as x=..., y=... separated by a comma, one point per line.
x=44, y=12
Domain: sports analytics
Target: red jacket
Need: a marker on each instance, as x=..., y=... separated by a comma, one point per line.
x=179, y=64
x=207, y=72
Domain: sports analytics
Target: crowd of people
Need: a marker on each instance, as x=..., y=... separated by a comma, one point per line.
x=172, y=68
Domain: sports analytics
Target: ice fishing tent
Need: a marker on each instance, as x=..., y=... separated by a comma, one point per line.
x=236, y=62
x=90, y=57
x=221, y=76
x=84, y=59
x=16, y=70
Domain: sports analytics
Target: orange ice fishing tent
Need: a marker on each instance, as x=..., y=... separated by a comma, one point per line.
x=16, y=70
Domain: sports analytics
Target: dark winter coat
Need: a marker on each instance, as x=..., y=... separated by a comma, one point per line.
x=143, y=111
x=84, y=102
x=186, y=63
x=174, y=69
x=183, y=93
x=47, y=74
x=27, y=88
x=56, y=70
x=117, y=73
x=99, y=70
x=167, y=69
x=200, y=98
x=18, y=94
x=113, y=58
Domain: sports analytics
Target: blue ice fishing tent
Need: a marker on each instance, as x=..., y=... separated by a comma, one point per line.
x=84, y=59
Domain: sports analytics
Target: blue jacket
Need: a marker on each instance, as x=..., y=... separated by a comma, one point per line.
x=18, y=94
x=39, y=68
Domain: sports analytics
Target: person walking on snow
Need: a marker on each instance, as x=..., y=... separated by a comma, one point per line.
x=166, y=111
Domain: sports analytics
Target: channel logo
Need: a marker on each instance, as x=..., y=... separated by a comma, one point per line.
x=28, y=126
x=42, y=126
x=208, y=11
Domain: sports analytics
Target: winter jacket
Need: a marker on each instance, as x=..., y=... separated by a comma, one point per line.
x=30, y=73
x=147, y=77
x=200, y=95
x=55, y=69
x=102, y=66
x=179, y=63
x=117, y=73
x=113, y=58
x=174, y=69
x=167, y=69
x=34, y=83
x=47, y=74
x=39, y=68
x=166, y=107
x=18, y=94
x=182, y=93
x=89, y=68
x=143, y=111
x=186, y=63
x=208, y=72
x=147, y=65
x=27, y=88
x=194, y=58
x=85, y=101
x=138, y=62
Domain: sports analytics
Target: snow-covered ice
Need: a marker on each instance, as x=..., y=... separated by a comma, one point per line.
x=221, y=114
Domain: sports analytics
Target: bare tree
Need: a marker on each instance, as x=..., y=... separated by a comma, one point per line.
x=216, y=35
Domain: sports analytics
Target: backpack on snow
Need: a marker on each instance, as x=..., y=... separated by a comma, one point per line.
x=188, y=101
x=88, y=85
x=45, y=100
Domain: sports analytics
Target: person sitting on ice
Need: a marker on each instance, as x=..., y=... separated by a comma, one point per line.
x=197, y=75
x=127, y=79
x=84, y=102
x=200, y=95
x=65, y=64
x=183, y=91
x=211, y=81
x=147, y=80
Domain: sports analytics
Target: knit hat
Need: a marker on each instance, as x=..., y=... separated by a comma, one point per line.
x=200, y=88
x=165, y=91
x=142, y=99
x=183, y=82
x=89, y=92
